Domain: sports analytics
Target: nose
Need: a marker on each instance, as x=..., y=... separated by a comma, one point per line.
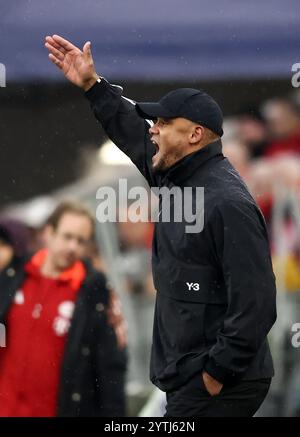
x=73, y=245
x=153, y=129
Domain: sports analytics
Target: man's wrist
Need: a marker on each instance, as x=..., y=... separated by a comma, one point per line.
x=220, y=373
x=91, y=82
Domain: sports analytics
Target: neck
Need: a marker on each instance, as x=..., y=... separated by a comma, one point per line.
x=49, y=269
x=206, y=142
x=200, y=146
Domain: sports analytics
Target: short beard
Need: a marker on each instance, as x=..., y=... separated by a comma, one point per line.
x=164, y=166
x=160, y=169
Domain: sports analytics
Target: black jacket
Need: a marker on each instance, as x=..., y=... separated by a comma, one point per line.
x=221, y=324
x=93, y=368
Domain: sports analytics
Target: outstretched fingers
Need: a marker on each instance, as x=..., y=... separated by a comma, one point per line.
x=55, y=61
x=51, y=41
x=57, y=53
x=64, y=43
x=87, y=53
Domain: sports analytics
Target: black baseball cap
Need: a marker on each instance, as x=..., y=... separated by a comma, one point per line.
x=195, y=105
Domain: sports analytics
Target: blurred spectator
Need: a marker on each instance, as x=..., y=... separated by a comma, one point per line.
x=238, y=155
x=62, y=356
x=13, y=241
x=260, y=183
x=286, y=172
x=252, y=131
x=135, y=242
x=283, y=121
x=290, y=262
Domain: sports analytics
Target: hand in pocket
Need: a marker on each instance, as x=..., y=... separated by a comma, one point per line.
x=213, y=386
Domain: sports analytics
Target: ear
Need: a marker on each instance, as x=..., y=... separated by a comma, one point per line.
x=197, y=134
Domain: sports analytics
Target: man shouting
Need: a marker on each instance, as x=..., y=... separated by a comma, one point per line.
x=216, y=295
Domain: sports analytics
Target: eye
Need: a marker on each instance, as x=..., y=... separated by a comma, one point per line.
x=162, y=122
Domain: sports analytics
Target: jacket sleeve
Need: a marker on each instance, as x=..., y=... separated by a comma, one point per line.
x=110, y=364
x=123, y=126
x=241, y=247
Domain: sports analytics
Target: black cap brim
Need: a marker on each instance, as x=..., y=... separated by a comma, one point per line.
x=151, y=111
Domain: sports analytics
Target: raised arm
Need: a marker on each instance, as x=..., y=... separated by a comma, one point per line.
x=116, y=113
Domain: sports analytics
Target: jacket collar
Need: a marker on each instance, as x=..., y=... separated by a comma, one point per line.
x=74, y=275
x=186, y=166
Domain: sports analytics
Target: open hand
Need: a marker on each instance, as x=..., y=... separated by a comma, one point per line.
x=77, y=65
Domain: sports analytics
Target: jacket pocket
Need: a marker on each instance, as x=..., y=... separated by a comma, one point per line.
x=193, y=291
x=199, y=284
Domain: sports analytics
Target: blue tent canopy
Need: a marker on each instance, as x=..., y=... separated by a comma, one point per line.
x=157, y=40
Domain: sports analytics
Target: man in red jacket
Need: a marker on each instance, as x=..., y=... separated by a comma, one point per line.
x=62, y=356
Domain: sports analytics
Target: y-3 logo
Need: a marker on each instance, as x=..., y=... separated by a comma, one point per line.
x=193, y=286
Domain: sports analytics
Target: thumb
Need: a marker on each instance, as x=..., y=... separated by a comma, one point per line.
x=87, y=50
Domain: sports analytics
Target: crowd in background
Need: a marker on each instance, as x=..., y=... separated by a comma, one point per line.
x=264, y=145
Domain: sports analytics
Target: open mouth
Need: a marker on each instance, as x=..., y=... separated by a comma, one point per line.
x=156, y=146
